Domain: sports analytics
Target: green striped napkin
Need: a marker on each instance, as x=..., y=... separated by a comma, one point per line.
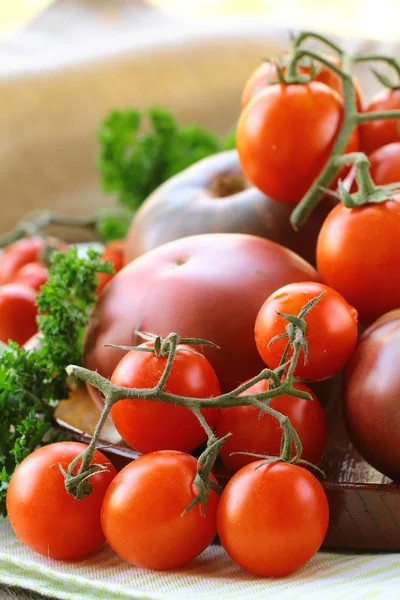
x=212, y=575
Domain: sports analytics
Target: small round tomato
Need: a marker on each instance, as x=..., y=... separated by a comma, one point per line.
x=266, y=72
x=142, y=512
x=44, y=516
x=358, y=254
x=149, y=425
x=22, y=252
x=272, y=519
x=32, y=274
x=374, y=134
x=263, y=435
x=385, y=164
x=18, y=313
x=113, y=253
x=331, y=330
x=285, y=136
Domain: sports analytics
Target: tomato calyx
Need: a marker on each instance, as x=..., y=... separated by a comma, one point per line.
x=164, y=346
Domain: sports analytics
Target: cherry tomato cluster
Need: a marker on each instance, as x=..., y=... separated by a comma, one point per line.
x=163, y=509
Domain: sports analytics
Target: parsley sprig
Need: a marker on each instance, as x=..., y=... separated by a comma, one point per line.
x=33, y=382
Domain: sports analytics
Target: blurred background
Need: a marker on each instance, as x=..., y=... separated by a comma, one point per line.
x=64, y=64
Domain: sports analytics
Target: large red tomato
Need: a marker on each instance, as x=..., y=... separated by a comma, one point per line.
x=267, y=72
x=375, y=134
x=208, y=286
x=358, y=254
x=285, y=136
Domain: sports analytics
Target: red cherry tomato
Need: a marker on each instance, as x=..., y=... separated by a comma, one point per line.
x=18, y=313
x=113, y=253
x=385, y=165
x=142, y=512
x=44, y=516
x=32, y=274
x=263, y=435
x=375, y=134
x=147, y=425
x=331, y=329
x=22, y=252
x=267, y=71
x=285, y=136
x=358, y=254
x=272, y=519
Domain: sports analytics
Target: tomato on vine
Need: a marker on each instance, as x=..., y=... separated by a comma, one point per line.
x=44, y=516
x=143, y=514
x=331, y=329
x=374, y=134
x=147, y=425
x=272, y=518
x=358, y=254
x=285, y=136
x=257, y=434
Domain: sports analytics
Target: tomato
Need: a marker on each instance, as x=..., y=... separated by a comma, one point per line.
x=385, y=165
x=272, y=519
x=375, y=134
x=142, y=512
x=372, y=396
x=331, y=329
x=113, y=253
x=259, y=80
x=18, y=313
x=207, y=286
x=148, y=425
x=44, y=516
x=358, y=254
x=22, y=252
x=32, y=274
x=285, y=136
x=263, y=435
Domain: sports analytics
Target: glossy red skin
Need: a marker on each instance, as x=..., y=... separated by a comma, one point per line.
x=272, y=519
x=22, y=252
x=44, y=516
x=358, y=254
x=18, y=313
x=142, y=512
x=250, y=433
x=372, y=397
x=331, y=329
x=147, y=425
x=285, y=136
x=259, y=80
x=206, y=286
x=113, y=253
x=32, y=274
x=375, y=134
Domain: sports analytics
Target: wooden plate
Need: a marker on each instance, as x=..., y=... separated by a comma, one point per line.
x=364, y=504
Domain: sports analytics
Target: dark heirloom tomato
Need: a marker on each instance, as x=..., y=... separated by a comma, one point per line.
x=147, y=425
x=285, y=136
x=375, y=134
x=263, y=435
x=213, y=196
x=267, y=71
x=372, y=395
x=358, y=254
x=206, y=286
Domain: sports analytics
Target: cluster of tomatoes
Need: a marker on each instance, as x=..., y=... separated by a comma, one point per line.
x=272, y=516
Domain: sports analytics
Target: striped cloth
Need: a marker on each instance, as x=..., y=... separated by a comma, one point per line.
x=329, y=576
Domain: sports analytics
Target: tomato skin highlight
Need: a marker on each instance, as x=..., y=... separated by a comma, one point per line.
x=18, y=313
x=285, y=136
x=358, y=253
x=331, y=329
x=32, y=274
x=149, y=425
x=44, y=516
x=272, y=519
x=263, y=435
x=142, y=512
x=375, y=134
